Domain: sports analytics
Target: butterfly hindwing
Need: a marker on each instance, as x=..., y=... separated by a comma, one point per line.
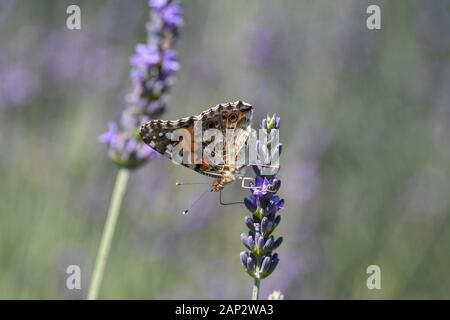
x=158, y=134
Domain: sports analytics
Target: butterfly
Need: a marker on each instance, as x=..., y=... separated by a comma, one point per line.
x=223, y=118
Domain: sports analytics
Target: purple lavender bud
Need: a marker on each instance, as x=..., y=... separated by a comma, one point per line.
x=244, y=257
x=265, y=225
x=264, y=123
x=250, y=242
x=247, y=241
x=250, y=203
x=250, y=264
x=279, y=205
x=275, y=204
x=156, y=107
x=243, y=238
x=276, y=222
x=268, y=245
x=130, y=146
x=272, y=216
x=110, y=137
x=259, y=241
x=277, y=243
x=146, y=56
x=265, y=265
x=269, y=228
x=273, y=264
x=275, y=185
x=170, y=63
x=249, y=223
x=157, y=4
x=277, y=122
x=173, y=15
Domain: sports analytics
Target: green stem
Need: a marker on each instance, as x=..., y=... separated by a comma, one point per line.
x=108, y=232
x=255, y=292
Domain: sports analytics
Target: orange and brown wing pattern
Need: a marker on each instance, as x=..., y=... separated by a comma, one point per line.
x=160, y=135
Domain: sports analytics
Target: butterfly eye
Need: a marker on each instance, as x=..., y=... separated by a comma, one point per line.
x=233, y=117
x=210, y=125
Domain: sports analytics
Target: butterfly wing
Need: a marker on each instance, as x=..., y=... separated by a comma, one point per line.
x=158, y=134
x=236, y=143
x=167, y=138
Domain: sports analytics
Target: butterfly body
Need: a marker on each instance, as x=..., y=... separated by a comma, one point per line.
x=198, y=135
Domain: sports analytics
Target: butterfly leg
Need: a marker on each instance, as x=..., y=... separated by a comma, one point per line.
x=246, y=179
x=217, y=185
x=225, y=179
x=227, y=203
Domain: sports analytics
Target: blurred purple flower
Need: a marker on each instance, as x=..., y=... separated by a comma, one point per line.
x=110, y=137
x=157, y=4
x=173, y=15
x=170, y=62
x=123, y=149
x=146, y=56
x=153, y=66
x=18, y=85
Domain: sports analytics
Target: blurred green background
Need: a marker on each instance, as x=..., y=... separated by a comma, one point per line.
x=365, y=164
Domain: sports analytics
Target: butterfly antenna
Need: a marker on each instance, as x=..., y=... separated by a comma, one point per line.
x=228, y=203
x=195, y=201
x=187, y=183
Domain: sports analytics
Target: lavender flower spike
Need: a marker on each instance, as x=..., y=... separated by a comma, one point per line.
x=152, y=74
x=264, y=205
